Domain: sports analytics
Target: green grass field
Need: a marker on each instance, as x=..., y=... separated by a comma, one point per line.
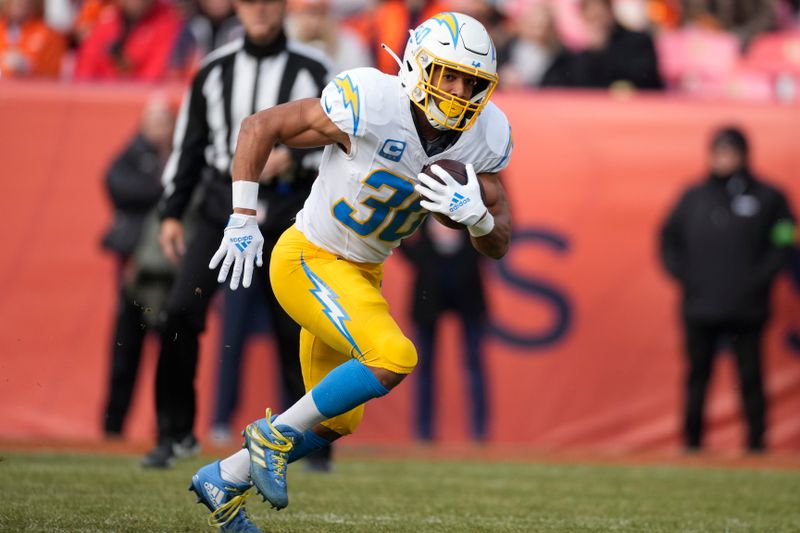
x=93, y=493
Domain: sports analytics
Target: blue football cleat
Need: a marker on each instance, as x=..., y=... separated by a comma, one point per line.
x=224, y=500
x=269, y=448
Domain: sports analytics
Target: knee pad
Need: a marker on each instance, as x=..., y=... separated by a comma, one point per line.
x=397, y=354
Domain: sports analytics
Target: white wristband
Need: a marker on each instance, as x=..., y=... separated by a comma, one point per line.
x=483, y=227
x=245, y=194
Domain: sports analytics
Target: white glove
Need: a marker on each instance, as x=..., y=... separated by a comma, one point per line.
x=241, y=245
x=461, y=203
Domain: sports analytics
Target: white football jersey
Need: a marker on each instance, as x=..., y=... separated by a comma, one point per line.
x=364, y=203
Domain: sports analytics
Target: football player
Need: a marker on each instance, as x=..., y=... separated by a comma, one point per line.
x=379, y=132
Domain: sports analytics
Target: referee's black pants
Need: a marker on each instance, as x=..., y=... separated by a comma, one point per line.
x=185, y=319
x=703, y=340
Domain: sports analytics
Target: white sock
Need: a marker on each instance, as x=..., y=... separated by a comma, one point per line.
x=302, y=415
x=236, y=468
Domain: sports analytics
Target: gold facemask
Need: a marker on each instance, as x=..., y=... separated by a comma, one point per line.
x=459, y=113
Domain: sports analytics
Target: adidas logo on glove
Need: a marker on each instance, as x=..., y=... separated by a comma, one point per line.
x=242, y=242
x=457, y=201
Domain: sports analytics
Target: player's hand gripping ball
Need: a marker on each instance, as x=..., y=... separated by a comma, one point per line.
x=458, y=172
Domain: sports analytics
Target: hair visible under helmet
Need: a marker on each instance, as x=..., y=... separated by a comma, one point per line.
x=451, y=41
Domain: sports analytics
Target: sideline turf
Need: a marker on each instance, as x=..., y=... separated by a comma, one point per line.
x=94, y=493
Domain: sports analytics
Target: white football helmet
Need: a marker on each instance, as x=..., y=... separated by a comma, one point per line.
x=449, y=41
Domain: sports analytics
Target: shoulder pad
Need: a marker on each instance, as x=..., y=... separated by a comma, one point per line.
x=496, y=133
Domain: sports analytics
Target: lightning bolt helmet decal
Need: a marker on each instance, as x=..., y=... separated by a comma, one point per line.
x=450, y=22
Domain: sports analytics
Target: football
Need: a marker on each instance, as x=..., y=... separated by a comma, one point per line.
x=458, y=170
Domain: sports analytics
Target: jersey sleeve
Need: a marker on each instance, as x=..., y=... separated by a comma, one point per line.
x=498, y=142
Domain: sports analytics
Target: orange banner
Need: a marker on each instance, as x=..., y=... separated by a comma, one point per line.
x=585, y=350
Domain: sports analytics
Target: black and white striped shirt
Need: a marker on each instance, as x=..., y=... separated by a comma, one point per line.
x=233, y=82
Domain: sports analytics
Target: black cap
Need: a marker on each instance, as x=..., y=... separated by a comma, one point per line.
x=732, y=137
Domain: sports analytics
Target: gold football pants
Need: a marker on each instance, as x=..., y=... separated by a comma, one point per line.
x=342, y=313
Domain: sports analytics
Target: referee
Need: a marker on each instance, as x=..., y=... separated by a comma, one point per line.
x=260, y=70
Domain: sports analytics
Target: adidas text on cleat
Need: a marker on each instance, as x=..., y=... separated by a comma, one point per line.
x=269, y=448
x=225, y=500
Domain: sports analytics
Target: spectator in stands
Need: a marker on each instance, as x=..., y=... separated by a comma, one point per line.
x=209, y=25
x=614, y=56
x=144, y=275
x=59, y=15
x=444, y=265
x=86, y=18
x=132, y=40
x=536, y=56
x=311, y=22
x=665, y=14
x=261, y=70
x=28, y=47
x=788, y=14
x=214, y=24
x=724, y=242
x=388, y=22
x=745, y=18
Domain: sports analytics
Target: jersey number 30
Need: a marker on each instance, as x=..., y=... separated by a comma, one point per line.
x=403, y=219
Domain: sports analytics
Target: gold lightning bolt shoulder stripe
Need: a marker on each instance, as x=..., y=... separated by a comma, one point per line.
x=350, y=94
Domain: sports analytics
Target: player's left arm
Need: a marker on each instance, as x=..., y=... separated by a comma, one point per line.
x=495, y=243
x=483, y=207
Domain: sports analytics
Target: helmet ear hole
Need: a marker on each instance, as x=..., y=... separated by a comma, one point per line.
x=408, y=65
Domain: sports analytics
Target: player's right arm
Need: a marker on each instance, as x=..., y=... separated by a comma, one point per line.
x=298, y=124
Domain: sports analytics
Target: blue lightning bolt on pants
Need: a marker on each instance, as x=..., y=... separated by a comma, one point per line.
x=342, y=313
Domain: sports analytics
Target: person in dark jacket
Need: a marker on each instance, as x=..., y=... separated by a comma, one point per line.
x=134, y=186
x=724, y=242
x=447, y=277
x=793, y=337
x=614, y=54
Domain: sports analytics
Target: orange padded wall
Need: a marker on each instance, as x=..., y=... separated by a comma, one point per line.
x=585, y=350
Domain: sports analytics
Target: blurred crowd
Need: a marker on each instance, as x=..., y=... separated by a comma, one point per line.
x=747, y=49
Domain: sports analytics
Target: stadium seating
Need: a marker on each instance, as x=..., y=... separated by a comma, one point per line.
x=695, y=58
x=775, y=53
